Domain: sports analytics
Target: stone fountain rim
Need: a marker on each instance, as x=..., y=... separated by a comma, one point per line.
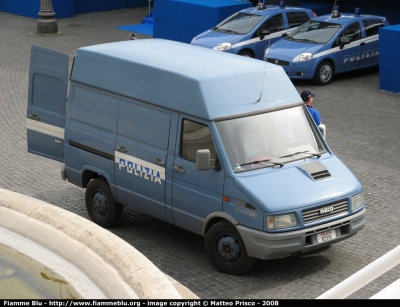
x=125, y=272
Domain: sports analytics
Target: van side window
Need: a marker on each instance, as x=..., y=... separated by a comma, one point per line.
x=196, y=136
x=372, y=27
x=273, y=24
x=296, y=18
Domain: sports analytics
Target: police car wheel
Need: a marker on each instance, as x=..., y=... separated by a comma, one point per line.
x=323, y=73
x=100, y=204
x=226, y=250
x=246, y=54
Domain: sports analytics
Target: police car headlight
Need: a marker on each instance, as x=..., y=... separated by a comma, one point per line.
x=357, y=201
x=303, y=57
x=281, y=221
x=223, y=46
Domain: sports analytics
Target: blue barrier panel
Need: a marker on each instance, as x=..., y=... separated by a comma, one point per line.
x=145, y=27
x=387, y=8
x=319, y=8
x=68, y=8
x=31, y=8
x=87, y=6
x=63, y=8
x=392, y=14
x=389, y=66
x=181, y=20
x=26, y=8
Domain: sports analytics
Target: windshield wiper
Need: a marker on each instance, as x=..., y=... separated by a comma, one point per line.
x=300, y=152
x=261, y=161
x=227, y=31
x=305, y=40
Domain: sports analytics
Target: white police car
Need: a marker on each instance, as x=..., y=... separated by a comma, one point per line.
x=249, y=31
x=329, y=45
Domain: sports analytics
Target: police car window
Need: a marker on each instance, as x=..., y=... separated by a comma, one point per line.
x=316, y=32
x=273, y=24
x=352, y=31
x=372, y=27
x=296, y=18
x=240, y=23
x=196, y=136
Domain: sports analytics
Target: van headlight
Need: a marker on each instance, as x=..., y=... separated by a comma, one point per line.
x=223, y=46
x=303, y=57
x=357, y=201
x=281, y=221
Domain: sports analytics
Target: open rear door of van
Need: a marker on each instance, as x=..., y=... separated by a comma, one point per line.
x=47, y=96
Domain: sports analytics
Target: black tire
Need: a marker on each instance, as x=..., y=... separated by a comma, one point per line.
x=246, y=54
x=323, y=73
x=226, y=250
x=100, y=204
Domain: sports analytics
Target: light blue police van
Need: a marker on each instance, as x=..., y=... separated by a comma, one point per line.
x=217, y=144
x=249, y=31
x=329, y=45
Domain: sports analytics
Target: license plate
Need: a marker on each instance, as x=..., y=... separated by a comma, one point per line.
x=326, y=236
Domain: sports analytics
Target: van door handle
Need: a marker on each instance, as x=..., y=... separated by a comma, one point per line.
x=179, y=169
x=159, y=162
x=122, y=149
x=34, y=117
x=362, y=44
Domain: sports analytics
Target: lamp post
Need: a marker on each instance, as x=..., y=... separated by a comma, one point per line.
x=46, y=24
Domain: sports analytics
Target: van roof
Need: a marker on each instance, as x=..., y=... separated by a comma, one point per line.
x=186, y=78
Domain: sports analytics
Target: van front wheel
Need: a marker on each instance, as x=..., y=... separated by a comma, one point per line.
x=100, y=204
x=226, y=250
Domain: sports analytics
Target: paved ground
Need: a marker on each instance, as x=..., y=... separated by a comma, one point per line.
x=362, y=129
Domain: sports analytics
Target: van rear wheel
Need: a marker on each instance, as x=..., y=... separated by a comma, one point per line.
x=100, y=204
x=226, y=250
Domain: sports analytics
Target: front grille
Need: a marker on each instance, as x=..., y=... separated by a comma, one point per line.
x=278, y=62
x=325, y=211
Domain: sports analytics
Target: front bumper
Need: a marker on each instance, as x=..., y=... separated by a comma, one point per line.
x=263, y=245
x=296, y=70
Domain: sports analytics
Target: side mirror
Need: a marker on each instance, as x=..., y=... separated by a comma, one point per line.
x=203, y=160
x=344, y=41
x=322, y=128
x=264, y=33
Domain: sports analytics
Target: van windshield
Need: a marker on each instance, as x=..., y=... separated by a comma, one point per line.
x=239, y=23
x=270, y=139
